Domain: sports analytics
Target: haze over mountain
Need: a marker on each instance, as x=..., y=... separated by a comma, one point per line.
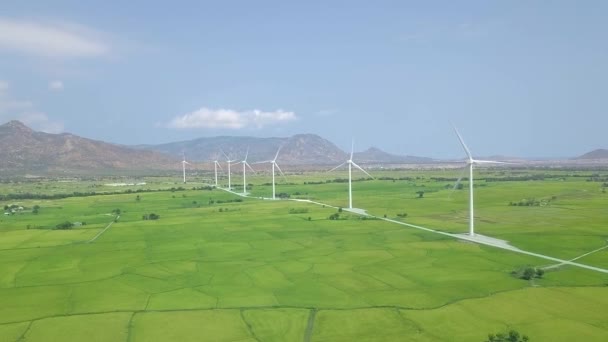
x=26, y=150
x=299, y=149
x=595, y=154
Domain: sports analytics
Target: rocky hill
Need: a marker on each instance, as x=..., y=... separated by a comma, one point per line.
x=27, y=151
x=595, y=154
x=300, y=149
x=376, y=155
x=296, y=150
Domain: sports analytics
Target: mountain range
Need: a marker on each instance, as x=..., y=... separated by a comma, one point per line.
x=27, y=151
x=300, y=149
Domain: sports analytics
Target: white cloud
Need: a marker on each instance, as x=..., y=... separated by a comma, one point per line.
x=41, y=122
x=56, y=85
x=231, y=119
x=25, y=111
x=57, y=40
x=9, y=104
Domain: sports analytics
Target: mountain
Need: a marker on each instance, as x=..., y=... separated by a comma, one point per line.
x=376, y=155
x=595, y=154
x=296, y=150
x=25, y=150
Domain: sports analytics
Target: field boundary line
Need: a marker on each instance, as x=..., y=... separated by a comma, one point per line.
x=310, y=325
x=578, y=257
x=104, y=230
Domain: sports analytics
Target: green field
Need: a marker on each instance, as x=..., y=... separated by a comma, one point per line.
x=219, y=267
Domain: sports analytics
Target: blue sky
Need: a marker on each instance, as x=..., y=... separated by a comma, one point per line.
x=519, y=78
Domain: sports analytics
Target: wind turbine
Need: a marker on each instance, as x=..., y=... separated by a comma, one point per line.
x=216, y=164
x=184, y=162
x=245, y=166
x=228, y=161
x=470, y=162
x=274, y=164
x=350, y=163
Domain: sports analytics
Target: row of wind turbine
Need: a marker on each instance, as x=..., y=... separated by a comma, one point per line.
x=470, y=162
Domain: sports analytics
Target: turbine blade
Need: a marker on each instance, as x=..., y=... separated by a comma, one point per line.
x=488, y=162
x=360, y=168
x=250, y=168
x=462, y=173
x=219, y=165
x=277, y=155
x=280, y=171
x=225, y=155
x=246, y=155
x=352, y=149
x=466, y=149
x=337, y=167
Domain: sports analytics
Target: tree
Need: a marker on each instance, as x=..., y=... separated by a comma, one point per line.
x=420, y=193
x=65, y=225
x=138, y=198
x=529, y=273
x=511, y=336
x=539, y=272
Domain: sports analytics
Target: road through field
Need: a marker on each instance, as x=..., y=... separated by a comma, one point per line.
x=480, y=239
x=104, y=230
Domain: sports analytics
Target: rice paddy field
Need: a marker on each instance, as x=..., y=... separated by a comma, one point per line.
x=215, y=266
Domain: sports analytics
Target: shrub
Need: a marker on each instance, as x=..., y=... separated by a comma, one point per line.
x=65, y=225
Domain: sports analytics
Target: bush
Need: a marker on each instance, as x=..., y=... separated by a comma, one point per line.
x=529, y=273
x=65, y=225
x=334, y=216
x=151, y=216
x=511, y=336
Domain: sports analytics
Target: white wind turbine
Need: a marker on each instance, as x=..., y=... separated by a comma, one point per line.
x=470, y=163
x=184, y=163
x=245, y=166
x=216, y=164
x=274, y=164
x=350, y=163
x=228, y=161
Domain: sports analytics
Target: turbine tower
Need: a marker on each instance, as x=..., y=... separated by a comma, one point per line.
x=274, y=164
x=228, y=161
x=245, y=166
x=216, y=164
x=350, y=163
x=470, y=162
x=184, y=162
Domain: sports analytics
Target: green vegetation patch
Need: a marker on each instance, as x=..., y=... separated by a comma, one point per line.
x=94, y=328
x=210, y=325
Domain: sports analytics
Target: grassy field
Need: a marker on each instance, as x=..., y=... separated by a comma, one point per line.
x=218, y=267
